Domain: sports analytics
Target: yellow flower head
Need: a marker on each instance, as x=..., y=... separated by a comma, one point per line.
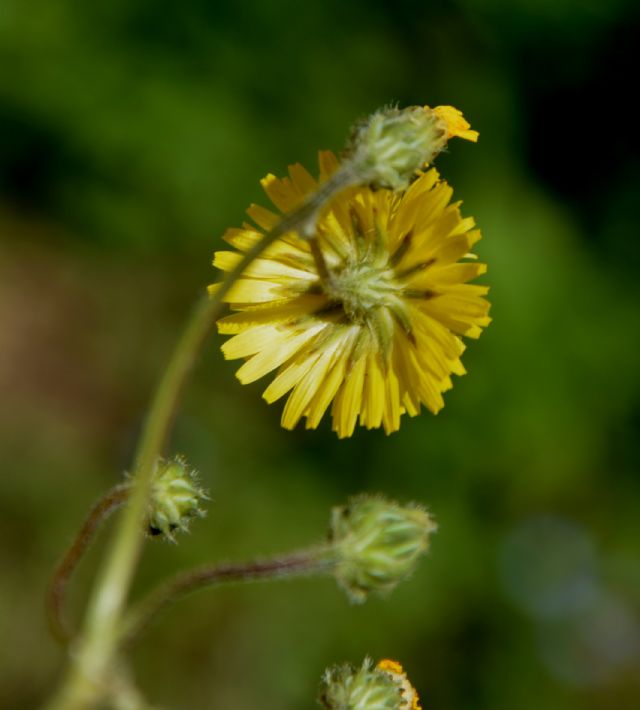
x=396, y=671
x=379, y=334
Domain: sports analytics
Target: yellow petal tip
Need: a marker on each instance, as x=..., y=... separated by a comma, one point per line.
x=457, y=124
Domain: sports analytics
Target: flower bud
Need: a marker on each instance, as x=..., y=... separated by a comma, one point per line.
x=377, y=544
x=174, y=499
x=384, y=687
x=391, y=145
x=387, y=148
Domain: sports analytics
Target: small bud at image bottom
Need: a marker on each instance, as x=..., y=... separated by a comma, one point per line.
x=384, y=686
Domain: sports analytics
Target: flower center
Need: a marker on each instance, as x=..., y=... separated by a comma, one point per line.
x=360, y=288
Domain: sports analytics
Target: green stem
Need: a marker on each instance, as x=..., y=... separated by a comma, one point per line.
x=97, y=647
x=308, y=562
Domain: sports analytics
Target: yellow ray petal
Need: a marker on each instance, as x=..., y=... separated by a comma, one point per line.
x=427, y=327
x=283, y=193
x=307, y=387
x=392, y=408
x=449, y=274
x=302, y=179
x=263, y=217
x=253, y=291
x=250, y=342
x=262, y=268
x=328, y=164
x=407, y=372
x=432, y=208
x=346, y=405
x=452, y=249
x=289, y=376
x=373, y=394
x=462, y=316
x=334, y=378
x=242, y=239
x=277, y=351
x=287, y=311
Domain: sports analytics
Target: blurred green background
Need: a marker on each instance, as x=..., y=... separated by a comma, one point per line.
x=131, y=135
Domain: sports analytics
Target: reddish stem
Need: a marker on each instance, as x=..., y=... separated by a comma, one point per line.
x=56, y=594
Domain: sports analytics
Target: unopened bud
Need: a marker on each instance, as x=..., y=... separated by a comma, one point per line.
x=383, y=687
x=387, y=148
x=377, y=544
x=391, y=145
x=174, y=499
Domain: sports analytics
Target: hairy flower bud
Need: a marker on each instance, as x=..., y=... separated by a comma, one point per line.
x=390, y=146
x=377, y=544
x=174, y=499
x=383, y=687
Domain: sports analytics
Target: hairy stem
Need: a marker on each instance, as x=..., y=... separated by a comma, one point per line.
x=309, y=562
x=56, y=594
x=97, y=646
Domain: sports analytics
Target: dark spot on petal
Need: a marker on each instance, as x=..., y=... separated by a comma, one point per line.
x=421, y=266
x=402, y=249
x=424, y=294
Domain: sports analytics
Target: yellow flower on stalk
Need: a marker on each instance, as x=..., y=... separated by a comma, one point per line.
x=373, y=327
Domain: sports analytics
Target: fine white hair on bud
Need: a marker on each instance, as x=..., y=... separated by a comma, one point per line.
x=381, y=687
x=377, y=544
x=175, y=498
x=389, y=147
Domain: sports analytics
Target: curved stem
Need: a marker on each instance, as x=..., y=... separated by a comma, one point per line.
x=56, y=594
x=308, y=562
x=97, y=646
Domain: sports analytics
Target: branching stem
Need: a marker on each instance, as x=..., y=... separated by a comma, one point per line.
x=97, y=647
x=56, y=594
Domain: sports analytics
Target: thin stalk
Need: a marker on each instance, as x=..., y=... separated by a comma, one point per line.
x=56, y=594
x=318, y=257
x=97, y=646
x=318, y=561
